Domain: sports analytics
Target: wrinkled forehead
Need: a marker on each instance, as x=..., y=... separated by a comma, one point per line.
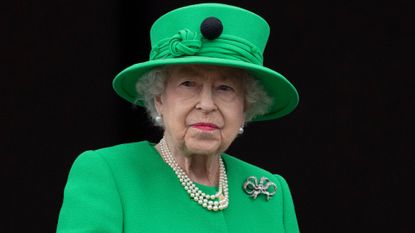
x=207, y=72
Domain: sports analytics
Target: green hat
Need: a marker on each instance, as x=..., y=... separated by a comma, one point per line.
x=212, y=34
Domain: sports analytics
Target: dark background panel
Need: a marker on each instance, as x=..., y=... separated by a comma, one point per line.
x=346, y=151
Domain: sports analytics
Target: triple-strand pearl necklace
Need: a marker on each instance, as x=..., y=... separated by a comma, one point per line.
x=214, y=202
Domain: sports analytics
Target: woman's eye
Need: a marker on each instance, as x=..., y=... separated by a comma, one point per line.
x=225, y=88
x=188, y=84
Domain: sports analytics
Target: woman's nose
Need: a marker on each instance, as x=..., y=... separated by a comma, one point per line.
x=206, y=101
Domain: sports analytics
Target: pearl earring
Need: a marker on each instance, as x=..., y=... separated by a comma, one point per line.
x=241, y=130
x=158, y=119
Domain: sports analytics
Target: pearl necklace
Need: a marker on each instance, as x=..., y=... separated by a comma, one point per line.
x=214, y=202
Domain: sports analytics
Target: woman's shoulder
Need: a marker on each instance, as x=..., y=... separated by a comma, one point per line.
x=249, y=169
x=124, y=148
x=120, y=153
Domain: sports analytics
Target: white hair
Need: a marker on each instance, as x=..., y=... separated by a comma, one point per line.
x=152, y=84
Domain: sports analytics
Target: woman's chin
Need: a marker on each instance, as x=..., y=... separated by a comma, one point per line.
x=207, y=147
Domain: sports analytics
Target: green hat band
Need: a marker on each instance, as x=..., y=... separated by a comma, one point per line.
x=188, y=43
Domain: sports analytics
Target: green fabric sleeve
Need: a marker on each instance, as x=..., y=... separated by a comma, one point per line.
x=91, y=200
x=290, y=219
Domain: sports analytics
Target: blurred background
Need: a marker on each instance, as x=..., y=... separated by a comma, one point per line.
x=346, y=151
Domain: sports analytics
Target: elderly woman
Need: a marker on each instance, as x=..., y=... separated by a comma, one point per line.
x=204, y=81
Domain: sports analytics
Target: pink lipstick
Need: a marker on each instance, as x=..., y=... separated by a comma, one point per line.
x=205, y=126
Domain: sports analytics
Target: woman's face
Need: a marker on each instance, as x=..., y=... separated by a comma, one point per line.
x=202, y=108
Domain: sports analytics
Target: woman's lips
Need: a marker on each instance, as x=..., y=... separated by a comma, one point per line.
x=205, y=126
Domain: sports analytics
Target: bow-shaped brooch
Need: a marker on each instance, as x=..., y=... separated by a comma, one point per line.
x=265, y=186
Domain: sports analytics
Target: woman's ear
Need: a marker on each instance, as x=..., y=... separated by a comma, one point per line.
x=158, y=103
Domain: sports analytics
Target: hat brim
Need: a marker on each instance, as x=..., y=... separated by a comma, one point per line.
x=284, y=95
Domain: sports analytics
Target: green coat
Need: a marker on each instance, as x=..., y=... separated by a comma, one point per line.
x=129, y=188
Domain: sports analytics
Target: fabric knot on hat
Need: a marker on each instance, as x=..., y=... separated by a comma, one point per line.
x=185, y=42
